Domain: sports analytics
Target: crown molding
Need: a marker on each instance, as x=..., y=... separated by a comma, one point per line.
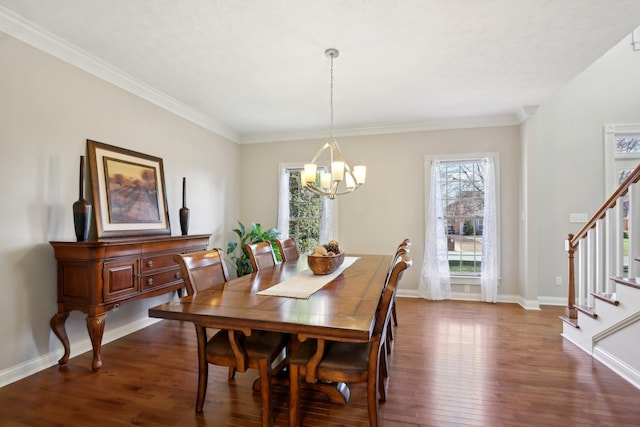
x=27, y=32
x=432, y=125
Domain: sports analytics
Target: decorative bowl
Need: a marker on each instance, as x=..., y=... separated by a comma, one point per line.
x=325, y=264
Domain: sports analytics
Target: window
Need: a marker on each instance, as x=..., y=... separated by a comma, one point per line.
x=302, y=214
x=462, y=192
x=467, y=206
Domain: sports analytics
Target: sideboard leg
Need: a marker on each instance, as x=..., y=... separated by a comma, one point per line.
x=57, y=326
x=95, y=326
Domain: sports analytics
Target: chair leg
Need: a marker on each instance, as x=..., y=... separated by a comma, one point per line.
x=384, y=369
x=372, y=399
x=265, y=391
x=294, y=395
x=383, y=373
x=232, y=373
x=393, y=313
x=203, y=368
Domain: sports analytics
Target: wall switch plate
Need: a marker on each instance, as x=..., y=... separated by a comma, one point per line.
x=467, y=289
x=558, y=280
x=578, y=217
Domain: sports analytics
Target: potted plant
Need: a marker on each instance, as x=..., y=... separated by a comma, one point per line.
x=236, y=250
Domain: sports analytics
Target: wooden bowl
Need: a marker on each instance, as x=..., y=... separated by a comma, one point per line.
x=325, y=264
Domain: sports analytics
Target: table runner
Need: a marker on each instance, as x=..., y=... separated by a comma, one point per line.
x=305, y=283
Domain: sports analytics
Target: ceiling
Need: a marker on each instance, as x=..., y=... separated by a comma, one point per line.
x=256, y=70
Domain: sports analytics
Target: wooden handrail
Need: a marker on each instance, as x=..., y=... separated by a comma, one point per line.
x=573, y=239
x=633, y=178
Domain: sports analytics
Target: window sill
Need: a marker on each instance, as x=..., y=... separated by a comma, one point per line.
x=465, y=280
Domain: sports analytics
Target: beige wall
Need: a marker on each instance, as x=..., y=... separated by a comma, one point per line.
x=391, y=206
x=47, y=111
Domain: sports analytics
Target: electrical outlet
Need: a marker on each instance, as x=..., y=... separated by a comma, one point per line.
x=467, y=289
x=558, y=280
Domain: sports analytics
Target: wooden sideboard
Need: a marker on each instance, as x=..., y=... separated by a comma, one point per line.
x=97, y=276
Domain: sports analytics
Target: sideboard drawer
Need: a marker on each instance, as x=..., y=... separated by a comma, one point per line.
x=153, y=281
x=158, y=262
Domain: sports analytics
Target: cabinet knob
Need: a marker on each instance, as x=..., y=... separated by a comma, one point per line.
x=150, y=281
x=178, y=275
x=149, y=263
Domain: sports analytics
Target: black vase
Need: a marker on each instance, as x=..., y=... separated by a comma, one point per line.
x=184, y=210
x=82, y=210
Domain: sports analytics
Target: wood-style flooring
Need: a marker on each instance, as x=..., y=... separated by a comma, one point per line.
x=453, y=364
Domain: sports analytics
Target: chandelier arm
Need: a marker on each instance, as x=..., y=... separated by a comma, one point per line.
x=320, y=151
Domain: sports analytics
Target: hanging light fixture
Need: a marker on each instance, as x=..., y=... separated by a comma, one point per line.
x=342, y=179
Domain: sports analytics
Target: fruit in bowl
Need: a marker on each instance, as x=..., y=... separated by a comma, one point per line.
x=325, y=259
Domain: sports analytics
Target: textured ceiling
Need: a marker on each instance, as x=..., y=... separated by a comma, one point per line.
x=257, y=68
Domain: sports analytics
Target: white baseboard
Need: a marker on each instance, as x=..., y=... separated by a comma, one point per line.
x=30, y=367
x=462, y=296
x=618, y=366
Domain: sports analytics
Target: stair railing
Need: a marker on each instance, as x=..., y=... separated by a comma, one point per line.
x=599, y=247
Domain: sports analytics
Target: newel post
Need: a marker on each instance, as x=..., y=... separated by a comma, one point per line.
x=571, y=311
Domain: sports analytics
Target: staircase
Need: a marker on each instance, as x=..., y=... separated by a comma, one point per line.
x=603, y=304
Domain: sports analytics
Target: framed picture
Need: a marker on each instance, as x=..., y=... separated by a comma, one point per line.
x=129, y=193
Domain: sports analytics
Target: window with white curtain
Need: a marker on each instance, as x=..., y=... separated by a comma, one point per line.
x=462, y=229
x=302, y=214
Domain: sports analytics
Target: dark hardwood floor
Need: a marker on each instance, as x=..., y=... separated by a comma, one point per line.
x=453, y=364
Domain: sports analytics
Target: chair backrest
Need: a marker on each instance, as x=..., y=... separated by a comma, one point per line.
x=400, y=263
x=403, y=249
x=404, y=244
x=202, y=270
x=288, y=249
x=261, y=255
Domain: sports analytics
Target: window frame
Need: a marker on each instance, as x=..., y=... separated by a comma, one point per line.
x=458, y=279
x=614, y=162
x=332, y=205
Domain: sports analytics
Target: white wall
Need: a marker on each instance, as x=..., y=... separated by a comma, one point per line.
x=570, y=153
x=47, y=111
x=390, y=206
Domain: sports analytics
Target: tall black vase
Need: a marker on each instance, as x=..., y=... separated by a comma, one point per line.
x=184, y=210
x=82, y=210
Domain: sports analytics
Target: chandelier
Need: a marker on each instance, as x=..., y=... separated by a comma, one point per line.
x=342, y=179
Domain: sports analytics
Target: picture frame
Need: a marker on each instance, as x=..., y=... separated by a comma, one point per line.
x=129, y=192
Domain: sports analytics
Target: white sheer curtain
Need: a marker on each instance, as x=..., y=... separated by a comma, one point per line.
x=489, y=269
x=283, y=203
x=326, y=221
x=435, y=280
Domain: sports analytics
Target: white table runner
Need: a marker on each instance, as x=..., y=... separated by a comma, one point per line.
x=305, y=283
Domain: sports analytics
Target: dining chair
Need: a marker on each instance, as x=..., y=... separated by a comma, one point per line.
x=238, y=349
x=403, y=248
x=288, y=248
x=261, y=255
x=349, y=362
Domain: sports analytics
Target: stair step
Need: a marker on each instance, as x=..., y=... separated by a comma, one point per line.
x=589, y=311
x=608, y=298
x=570, y=321
x=626, y=281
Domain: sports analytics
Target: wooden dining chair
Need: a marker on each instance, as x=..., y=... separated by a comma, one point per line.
x=403, y=247
x=261, y=255
x=288, y=248
x=238, y=349
x=349, y=362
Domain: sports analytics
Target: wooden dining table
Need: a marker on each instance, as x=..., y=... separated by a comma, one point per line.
x=344, y=309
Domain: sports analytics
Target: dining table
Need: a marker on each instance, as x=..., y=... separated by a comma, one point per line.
x=340, y=306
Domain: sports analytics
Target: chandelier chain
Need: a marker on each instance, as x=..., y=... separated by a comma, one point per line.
x=331, y=101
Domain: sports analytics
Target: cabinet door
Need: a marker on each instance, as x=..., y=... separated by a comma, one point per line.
x=120, y=279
